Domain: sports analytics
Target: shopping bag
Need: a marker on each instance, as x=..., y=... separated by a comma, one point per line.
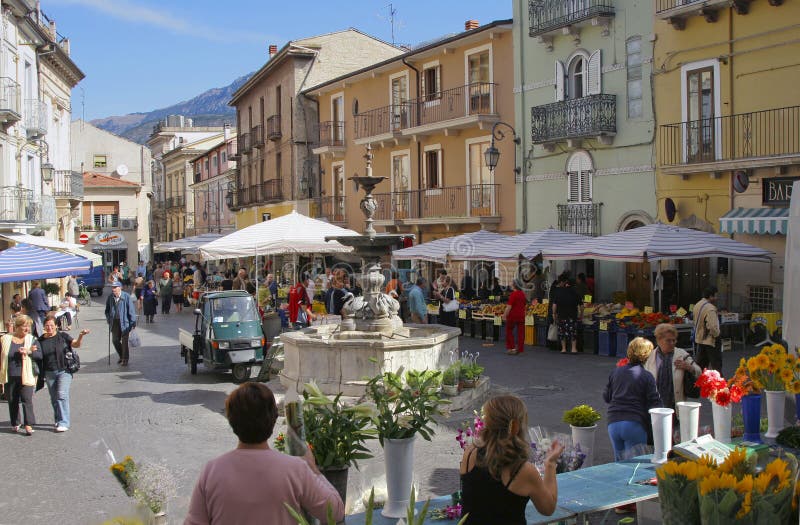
x=134, y=340
x=552, y=333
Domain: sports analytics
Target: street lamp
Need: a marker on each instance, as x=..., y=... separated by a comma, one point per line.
x=47, y=172
x=492, y=155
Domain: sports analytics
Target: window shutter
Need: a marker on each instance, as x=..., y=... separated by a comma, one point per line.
x=594, y=84
x=438, y=87
x=422, y=85
x=559, y=81
x=573, y=186
x=586, y=186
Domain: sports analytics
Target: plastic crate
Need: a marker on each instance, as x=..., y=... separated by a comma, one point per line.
x=530, y=335
x=623, y=338
x=589, y=339
x=607, y=343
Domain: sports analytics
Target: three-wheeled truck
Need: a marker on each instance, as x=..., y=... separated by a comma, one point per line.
x=227, y=334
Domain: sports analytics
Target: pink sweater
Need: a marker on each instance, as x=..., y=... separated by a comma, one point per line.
x=248, y=486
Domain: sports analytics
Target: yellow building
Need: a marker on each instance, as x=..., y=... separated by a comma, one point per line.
x=427, y=116
x=726, y=97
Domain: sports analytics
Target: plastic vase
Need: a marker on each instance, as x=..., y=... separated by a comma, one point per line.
x=751, y=413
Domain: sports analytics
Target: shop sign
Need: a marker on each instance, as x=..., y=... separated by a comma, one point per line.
x=777, y=191
x=109, y=239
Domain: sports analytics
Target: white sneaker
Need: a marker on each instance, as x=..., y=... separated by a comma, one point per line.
x=61, y=428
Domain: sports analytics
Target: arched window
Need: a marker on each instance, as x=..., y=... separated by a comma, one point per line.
x=576, y=75
x=579, y=178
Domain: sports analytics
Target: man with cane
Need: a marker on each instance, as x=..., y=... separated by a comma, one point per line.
x=121, y=318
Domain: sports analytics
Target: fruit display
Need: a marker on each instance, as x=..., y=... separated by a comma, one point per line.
x=537, y=310
x=642, y=321
x=627, y=312
x=491, y=310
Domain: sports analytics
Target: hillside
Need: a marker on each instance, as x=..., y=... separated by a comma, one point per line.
x=209, y=108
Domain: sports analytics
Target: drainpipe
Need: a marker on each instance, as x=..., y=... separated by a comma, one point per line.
x=419, y=151
x=521, y=114
x=732, y=112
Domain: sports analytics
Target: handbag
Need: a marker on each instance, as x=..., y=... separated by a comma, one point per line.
x=689, y=388
x=134, y=340
x=552, y=333
x=450, y=306
x=72, y=362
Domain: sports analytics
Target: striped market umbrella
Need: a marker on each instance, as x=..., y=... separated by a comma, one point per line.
x=24, y=262
x=459, y=247
x=528, y=245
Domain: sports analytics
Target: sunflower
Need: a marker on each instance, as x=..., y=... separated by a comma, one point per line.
x=745, y=485
x=787, y=375
x=777, y=473
x=747, y=506
x=762, y=361
x=795, y=387
x=716, y=481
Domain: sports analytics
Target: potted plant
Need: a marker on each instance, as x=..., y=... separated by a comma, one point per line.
x=405, y=405
x=337, y=434
x=583, y=421
x=450, y=379
x=470, y=370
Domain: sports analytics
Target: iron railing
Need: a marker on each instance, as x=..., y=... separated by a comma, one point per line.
x=760, y=134
x=35, y=118
x=663, y=6
x=244, y=144
x=68, y=184
x=257, y=136
x=9, y=99
x=379, y=121
x=471, y=99
x=111, y=222
x=333, y=208
x=176, y=201
x=583, y=219
x=271, y=190
x=274, y=127
x=479, y=200
x=331, y=133
x=549, y=15
x=267, y=191
x=19, y=206
x=583, y=117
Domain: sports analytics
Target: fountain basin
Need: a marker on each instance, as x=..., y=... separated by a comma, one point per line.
x=344, y=361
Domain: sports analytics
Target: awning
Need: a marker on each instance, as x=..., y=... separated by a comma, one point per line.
x=44, y=242
x=188, y=245
x=772, y=221
x=24, y=262
x=458, y=248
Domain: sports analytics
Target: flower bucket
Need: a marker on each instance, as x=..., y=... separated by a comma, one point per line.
x=467, y=383
x=689, y=417
x=450, y=390
x=399, y=461
x=722, y=422
x=662, y=433
x=751, y=413
x=584, y=436
x=338, y=478
x=776, y=401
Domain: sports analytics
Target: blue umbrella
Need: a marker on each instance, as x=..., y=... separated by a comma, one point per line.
x=24, y=262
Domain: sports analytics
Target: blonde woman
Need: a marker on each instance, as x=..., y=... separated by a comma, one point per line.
x=19, y=367
x=497, y=477
x=630, y=393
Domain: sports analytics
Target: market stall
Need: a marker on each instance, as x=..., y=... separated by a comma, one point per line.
x=527, y=245
x=24, y=262
x=187, y=245
x=441, y=250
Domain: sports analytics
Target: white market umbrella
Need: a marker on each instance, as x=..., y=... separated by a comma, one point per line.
x=187, y=244
x=791, y=280
x=456, y=248
x=528, y=245
x=289, y=234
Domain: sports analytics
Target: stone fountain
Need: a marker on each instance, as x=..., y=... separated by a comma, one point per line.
x=371, y=337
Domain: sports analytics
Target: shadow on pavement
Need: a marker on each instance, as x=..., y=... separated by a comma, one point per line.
x=209, y=399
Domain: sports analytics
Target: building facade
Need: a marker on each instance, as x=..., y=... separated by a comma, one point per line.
x=585, y=116
x=214, y=178
x=277, y=171
x=97, y=151
x=728, y=145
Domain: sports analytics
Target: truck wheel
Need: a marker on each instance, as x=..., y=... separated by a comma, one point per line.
x=192, y=362
x=241, y=373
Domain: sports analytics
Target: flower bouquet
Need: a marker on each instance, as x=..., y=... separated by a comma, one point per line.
x=677, y=490
x=469, y=430
x=541, y=441
x=715, y=388
x=772, y=369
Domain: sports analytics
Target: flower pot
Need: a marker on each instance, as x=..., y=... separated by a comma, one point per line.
x=399, y=461
x=689, y=417
x=776, y=401
x=722, y=422
x=337, y=476
x=751, y=413
x=450, y=390
x=662, y=433
x=584, y=436
x=467, y=383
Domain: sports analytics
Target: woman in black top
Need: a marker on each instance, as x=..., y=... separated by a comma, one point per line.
x=565, y=313
x=446, y=295
x=54, y=345
x=497, y=478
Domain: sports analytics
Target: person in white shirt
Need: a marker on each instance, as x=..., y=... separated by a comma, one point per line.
x=310, y=288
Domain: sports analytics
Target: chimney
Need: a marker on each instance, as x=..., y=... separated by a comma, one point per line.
x=53, y=33
x=65, y=46
x=226, y=131
x=471, y=24
x=273, y=50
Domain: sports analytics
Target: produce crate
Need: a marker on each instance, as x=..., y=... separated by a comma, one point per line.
x=607, y=342
x=623, y=338
x=488, y=329
x=589, y=339
x=541, y=332
x=530, y=335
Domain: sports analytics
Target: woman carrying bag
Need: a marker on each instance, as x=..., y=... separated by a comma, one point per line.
x=448, y=308
x=19, y=366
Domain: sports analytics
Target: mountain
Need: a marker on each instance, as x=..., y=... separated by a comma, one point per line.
x=209, y=108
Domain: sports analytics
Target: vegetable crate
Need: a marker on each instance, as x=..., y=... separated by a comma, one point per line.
x=607, y=342
x=541, y=332
x=589, y=338
x=623, y=338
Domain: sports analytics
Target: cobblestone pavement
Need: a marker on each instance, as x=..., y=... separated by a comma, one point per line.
x=156, y=411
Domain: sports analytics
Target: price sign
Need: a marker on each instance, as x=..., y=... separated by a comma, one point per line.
x=456, y=295
x=528, y=320
x=498, y=320
x=681, y=312
x=604, y=326
x=691, y=307
x=587, y=299
x=629, y=305
x=648, y=309
x=462, y=314
x=673, y=308
x=491, y=297
x=545, y=301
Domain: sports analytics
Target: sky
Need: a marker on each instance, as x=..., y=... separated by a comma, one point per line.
x=141, y=55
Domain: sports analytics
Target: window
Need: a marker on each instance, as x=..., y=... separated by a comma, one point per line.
x=215, y=161
x=480, y=179
x=337, y=115
x=223, y=157
x=431, y=82
x=479, y=77
x=700, y=102
x=278, y=167
x=576, y=87
x=433, y=168
x=762, y=298
x=100, y=161
x=579, y=178
x=205, y=165
x=277, y=100
x=581, y=76
x=261, y=108
x=104, y=214
x=339, y=185
x=401, y=183
x=399, y=96
x=633, y=66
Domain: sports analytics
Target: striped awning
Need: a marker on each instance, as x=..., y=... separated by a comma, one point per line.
x=52, y=244
x=528, y=245
x=24, y=262
x=458, y=248
x=772, y=221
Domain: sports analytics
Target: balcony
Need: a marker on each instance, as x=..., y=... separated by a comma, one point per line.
x=22, y=208
x=461, y=107
x=274, y=127
x=257, y=136
x=68, y=184
x=590, y=117
x=333, y=209
x=264, y=193
x=331, y=139
x=455, y=204
x=177, y=201
x=381, y=124
x=746, y=140
x=583, y=219
x=243, y=144
x=677, y=11
x=9, y=101
x=271, y=191
x=111, y=222
x=550, y=17
x=35, y=118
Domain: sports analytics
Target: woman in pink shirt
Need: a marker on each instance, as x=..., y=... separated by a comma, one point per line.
x=250, y=484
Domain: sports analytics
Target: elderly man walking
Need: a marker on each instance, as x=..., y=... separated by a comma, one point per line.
x=121, y=318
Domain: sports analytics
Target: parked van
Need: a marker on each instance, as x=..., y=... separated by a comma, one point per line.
x=95, y=281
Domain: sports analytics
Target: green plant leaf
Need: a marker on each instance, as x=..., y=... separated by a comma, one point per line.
x=296, y=515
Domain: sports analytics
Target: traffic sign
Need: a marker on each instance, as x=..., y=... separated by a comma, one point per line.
x=84, y=238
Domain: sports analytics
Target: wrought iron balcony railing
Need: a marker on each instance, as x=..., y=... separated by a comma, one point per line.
x=331, y=133
x=271, y=190
x=380, y=121
x=20, y=206
x=333, y=208
x=257, y=136
x=68, y=184
x=274, y=131
x=471, y=99
x=551, y=15
x=757, y=135
x=265, y=192
x=478, y=200
x=176, y=201
x=35, y=118
x=586, y=117
x=244, y=143
x=583, y=218
x=9, y=100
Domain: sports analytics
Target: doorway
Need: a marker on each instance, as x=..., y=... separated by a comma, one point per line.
x=637, y=277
